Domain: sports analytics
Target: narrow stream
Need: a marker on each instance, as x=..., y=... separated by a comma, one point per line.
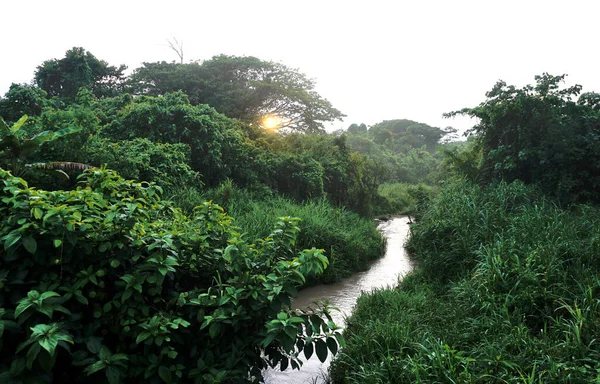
x=384, y=272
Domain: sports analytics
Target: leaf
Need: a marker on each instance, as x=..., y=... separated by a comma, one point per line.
x=57, y=243
x=30, y=244
x=142, y=336
x=115, y=263
x=18, y=124
x=22, y=307
x=93, y=345
x=284, y=364
x=113, y=374
x=48, y=294
x=165, y=374
x=214, y=330
x=308, y=350
x=97, y=366
x=38, y=213
x=332, y=345
x=32, y=353
x=321, y=349
x=11, y=239
x=49, y=343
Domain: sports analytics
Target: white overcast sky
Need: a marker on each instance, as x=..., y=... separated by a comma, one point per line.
x=374, y=60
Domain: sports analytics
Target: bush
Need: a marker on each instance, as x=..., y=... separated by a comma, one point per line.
x=140, y=159
x=350, y=241
x=111, y=282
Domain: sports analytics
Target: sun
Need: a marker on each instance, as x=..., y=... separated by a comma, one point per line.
x=271, y=123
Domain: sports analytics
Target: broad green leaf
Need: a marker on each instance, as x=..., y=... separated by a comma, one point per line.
x=16, y=126
x=22, y=307
x=97, y=366
x=332, y=345
x=49, y=294
x=165, y=374
x=321, y=349
x=38, y=213
x=93, y=345
x=11, y=239
x=142, y=336
x=113, y=375
x=308, y=350
x=214, y=330
x=32, y=353
x=49, y=343
x=30, y=244
x=57, y=243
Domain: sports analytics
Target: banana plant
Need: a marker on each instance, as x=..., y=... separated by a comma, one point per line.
x=16, y=145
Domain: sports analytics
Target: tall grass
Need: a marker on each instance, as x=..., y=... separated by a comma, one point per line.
x=350, y=242
x=507, y=291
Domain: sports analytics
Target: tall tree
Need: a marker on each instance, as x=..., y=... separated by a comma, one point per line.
x=245, y=88
x=79, y=69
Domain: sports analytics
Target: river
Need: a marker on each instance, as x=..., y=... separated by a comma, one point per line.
x=383, y=273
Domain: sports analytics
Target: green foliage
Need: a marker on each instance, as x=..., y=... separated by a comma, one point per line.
x=22, y=99
x=16, y=145
x=245, y=88
x=403, y=135
x=171, y=119
x=78, y=69
x=141, y=159
x=540, y=134
x=350, y=241
x=133, y=290
x=402, y=199
x=506, y=291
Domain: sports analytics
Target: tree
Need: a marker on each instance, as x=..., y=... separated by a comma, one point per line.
x=401, y=135
x=245, y=88
x=22, y=99
x=79, y=69
x=355, y=128
x=540, y=134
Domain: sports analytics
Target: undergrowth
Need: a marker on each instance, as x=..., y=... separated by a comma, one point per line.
x=350, y=241
x=507, y=291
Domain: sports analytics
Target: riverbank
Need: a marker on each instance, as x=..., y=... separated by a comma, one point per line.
x=350, y=241
x=384, y=272
x=506, y=291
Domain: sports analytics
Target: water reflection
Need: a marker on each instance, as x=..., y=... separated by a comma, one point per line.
x=383, y=273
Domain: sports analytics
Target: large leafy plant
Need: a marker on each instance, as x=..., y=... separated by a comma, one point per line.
x=110, y=283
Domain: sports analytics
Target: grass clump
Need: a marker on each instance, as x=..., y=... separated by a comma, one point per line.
x=350, y=241
x=507, y=291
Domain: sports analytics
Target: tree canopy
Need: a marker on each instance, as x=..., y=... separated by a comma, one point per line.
x=245, y=88
x=79, y=69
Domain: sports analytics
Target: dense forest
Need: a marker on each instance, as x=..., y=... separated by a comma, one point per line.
x=156, y=225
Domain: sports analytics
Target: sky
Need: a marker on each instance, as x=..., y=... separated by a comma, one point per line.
x=373, y=60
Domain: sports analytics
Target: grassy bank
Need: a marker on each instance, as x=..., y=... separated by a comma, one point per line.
x=350, y=241
x=507, y=291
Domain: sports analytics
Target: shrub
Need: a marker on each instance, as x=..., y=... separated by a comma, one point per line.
x=111, y=282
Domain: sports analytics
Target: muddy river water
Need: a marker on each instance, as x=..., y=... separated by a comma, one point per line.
x=383, y=273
